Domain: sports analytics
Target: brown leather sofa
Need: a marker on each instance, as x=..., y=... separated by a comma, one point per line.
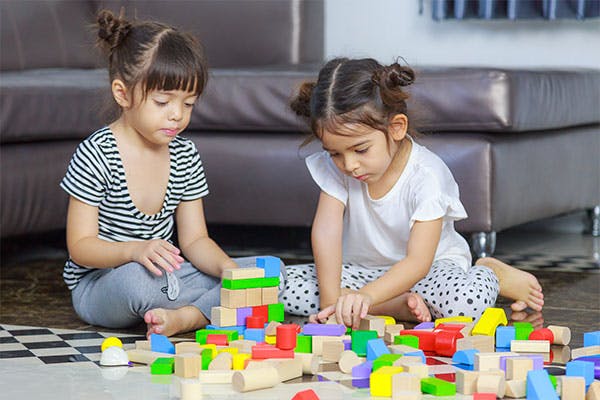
x=522, y=144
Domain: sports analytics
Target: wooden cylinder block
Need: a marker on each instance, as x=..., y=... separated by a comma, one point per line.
x=254, y=379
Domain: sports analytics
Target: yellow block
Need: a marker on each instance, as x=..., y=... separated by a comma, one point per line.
x=232, y=350
x=239, y=360
x=271, y=339
x=459, y=319
x=212, y=347
x=110, y=342
x=380, y=381
x=489, y=321
x=388, y=320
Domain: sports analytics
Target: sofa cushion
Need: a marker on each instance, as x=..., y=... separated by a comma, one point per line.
x=68, y=102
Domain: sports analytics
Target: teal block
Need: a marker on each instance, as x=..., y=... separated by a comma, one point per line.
x=359, y=341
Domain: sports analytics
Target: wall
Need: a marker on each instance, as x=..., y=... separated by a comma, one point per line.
x=384, y=29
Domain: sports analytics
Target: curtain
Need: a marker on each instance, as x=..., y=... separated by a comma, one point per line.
x=515, y=9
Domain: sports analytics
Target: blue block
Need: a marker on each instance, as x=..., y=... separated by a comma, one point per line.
x=375, y=348
x=539, y=386
x=271, y=265
x=581, y=368
x=362, y=370
x=504, y=334
x=591, y=339
x=239, y=328
x=161, y=344
x=258, y=335
x=466, y=357
x=417, y=353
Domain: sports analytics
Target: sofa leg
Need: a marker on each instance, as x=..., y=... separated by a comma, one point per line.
x=594, y=216
x=483, y=244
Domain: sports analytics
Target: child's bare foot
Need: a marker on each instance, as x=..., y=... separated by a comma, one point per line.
x=516, y=285
x=169, y=322
x=406, y=307
x=417, y=307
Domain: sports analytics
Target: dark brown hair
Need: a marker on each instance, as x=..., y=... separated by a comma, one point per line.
x=354, y=92
x=154, y=55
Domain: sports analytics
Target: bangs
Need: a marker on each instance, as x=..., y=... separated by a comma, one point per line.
x=175, y=66
x=349, y=123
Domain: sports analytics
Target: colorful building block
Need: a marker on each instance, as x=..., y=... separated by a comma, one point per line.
x=522, y=330
x=581, y=368
x=360, y=339
x=258, y=335
x=437, y=387
x=303, y=344
x=307, y=394
x=445, y=342
x=202, y=334
x=426, y=338
x=542, y=334
x=591, y=339
x=275, y=312
x=252, y=283
x=286, y=336
x=408, y=340
x=562, y=334
x=324, y=329
x=271, y=265
x=163, y=366
x=504, y=334
x=362, y=370
x=489, y=321
x=243, y=273
x=262, y=351
x=539, y=386
x=465, y=357
x=376, y=348
x=161, y=344
x=241, y=314
x=458, y=318
x=384, y=360
x=380, y=381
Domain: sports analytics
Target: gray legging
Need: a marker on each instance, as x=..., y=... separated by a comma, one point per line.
x=447, y=289
x=119, y=297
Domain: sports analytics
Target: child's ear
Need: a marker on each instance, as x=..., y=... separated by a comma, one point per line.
x=398, y=127
x=120, y=93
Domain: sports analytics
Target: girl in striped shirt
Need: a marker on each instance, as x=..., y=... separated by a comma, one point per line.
x=133, y=180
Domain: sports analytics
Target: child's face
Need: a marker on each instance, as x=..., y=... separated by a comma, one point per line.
x=162, y=115
x=359, y=151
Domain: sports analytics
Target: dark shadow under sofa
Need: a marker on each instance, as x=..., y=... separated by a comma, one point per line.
x=522, y=144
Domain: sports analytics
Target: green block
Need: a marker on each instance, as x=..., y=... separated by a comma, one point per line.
x=359, y=341
x=163, y=366
x=385, y=360
x=201, y=334
x=303, y=344
x=437, y=387
x=553, y=380
x=250, y=283
x=276, y=312
x=407, y=340
x=206, y=356
x=522, y=330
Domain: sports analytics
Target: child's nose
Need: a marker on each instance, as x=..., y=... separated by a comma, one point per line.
x=176, y=113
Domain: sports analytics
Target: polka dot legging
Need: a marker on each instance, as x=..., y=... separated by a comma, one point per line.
x=448, y=290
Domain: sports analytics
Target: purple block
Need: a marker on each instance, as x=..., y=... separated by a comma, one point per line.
x=425, y=325
x=592, y=359
x=347, y=344
x=362, y=370
x=324, y=329
x=242, y=313
x=362, y=383
x=538, y=361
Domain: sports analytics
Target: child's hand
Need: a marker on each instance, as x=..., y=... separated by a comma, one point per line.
x=156, y=253
x=350, y=308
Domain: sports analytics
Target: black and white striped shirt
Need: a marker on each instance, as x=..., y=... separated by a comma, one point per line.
x=96, y=176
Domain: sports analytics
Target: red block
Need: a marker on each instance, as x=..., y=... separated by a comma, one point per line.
x=257, y=322
x=286, y=336
x=484, y=396
x=218, y=339
x=445, y=342
x=449, y=327
x=426, y=338
x=261, y=311
x=307, y=394
x=542, y=334
x=262, y=351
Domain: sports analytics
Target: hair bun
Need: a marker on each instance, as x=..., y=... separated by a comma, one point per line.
x=393, y=76
x=301, y=103
x=111, y=29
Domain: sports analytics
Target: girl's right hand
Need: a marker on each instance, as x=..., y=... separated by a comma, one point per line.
x=157, y=253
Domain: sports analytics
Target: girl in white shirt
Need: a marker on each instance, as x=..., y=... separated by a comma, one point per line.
x=383, y=236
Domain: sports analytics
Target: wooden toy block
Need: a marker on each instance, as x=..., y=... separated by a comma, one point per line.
x=223, y=361
x=275, y=312
x=542, y=334
x=466, y=381
x=372, y=323
x=239, y=361
x=233, y=298
x=437, y=387
x=591, y=339
x=522, y=330
x=515, y=389
x=539, y=386
x=572, y=387
x=386, y=360
x=253, y=297
x=162, y=366
x=348, y=360
x=271, y=328
x=270, y=295
x=307, y=394
x=581, y=368
x=231, y=350
x=489, y=321
x=484, y=396
x=445, y=342
x=243, y=273
x=332, y=350
x=263, y=351
x=491, y=383
x=287, y=368
x=560, y=354
x=324, y=329
x=489, y=361
x=359, y=341
x=406, y=381
x=394, y=329
x=400, y=349
x=242, y=314
x=216, y=376
x=530, y=346
x=253, y=322
x=223, y=316
x=257, y=335
x=517, y=368
x=585, y=351
x=187, y=347
x=188, y=365
x=388, y=319
x=145, y=356
x=243, y=345
x=380, y=381
x=562, y=334
x=303, y=344
x=388, y=337
x=252, y=283
x=376, y=348
x=406, y=395
x=458, y=318
x=254, y=379
x=408, y=340
x=465, y=357
x=161, y=344
x=207, y=356
x=286, y=336
x=212, y=348
x=419, y=369
x=404, y=360
x=593, y=392
x=145, y=345
x=504, y=335
x=317, y=343
x=271, y=265
x=426, y=338
x=310, y=363
x=467, y=330
x=190, y=389
x=217, y=339
x=485, y=344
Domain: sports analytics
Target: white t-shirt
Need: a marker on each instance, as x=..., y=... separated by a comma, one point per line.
x=376, y=232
